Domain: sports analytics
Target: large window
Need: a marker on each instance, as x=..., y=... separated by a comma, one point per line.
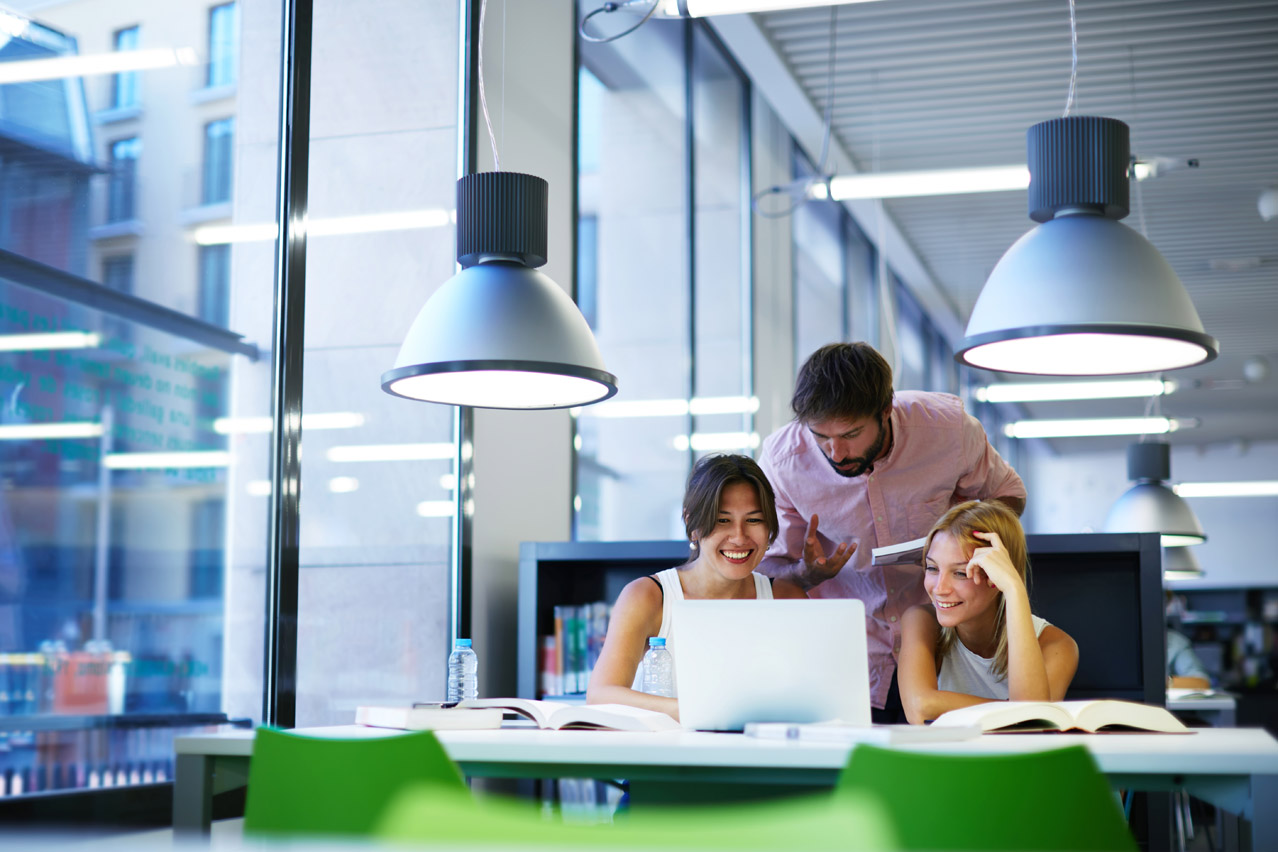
x=133, y=439
x=218, y=142
x=820, y=273
x=125, y=89
x=223, y=44
x=122, y=179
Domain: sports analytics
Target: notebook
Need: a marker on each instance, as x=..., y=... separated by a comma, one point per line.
x=796, y=661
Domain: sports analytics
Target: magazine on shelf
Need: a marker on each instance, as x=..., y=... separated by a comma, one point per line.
x=904, y=553
x=1101, y=716
x=557, y=716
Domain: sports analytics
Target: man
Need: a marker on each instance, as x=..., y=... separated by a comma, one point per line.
x=859, y=468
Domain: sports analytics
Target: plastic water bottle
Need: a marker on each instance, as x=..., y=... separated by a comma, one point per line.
x=658, y=668
x=463, y=672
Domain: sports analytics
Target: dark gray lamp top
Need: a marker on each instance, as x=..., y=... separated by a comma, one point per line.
x=1149, y=461
x=1078, y=162
x=502, y=214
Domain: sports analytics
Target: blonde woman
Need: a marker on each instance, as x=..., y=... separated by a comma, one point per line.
x=977, y=640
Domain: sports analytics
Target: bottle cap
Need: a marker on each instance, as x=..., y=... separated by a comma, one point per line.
x=462, y=643
x=657, y=642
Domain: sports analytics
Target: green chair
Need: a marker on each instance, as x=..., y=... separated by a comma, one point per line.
x=1048, y=800
x=812, y=823
x=320, y=785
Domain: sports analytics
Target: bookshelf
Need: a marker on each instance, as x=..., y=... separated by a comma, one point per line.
x=576, y=572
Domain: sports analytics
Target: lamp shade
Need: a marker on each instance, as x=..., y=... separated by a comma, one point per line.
x=1149, y=505
x=1180, y=563
x=1083, y=294
x=500, y=334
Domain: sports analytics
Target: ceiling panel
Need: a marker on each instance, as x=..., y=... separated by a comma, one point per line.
x=921, y=84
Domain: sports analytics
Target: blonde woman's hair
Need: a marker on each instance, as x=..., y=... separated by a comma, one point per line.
x=983, y=516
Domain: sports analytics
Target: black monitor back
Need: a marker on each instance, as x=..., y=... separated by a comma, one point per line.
x=1106, y=591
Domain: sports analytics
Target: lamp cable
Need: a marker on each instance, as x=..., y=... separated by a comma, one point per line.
x=483, y=100
x=1073, y=65
x=610, y=7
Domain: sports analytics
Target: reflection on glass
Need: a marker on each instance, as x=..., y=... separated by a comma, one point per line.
x=223, y=44
x=820, y=273
x=123, y=583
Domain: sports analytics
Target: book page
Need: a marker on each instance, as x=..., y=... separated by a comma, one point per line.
x=1093, y=716
x=540, y=712
x=621, y=717
x=1017, y=715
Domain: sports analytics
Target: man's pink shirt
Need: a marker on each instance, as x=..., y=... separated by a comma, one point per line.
x=940, y=456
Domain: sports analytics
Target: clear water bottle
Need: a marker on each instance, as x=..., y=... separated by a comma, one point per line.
x=463, y=672
x=658, y=668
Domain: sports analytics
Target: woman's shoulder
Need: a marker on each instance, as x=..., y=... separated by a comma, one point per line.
x=644, y=592
x=920, y=617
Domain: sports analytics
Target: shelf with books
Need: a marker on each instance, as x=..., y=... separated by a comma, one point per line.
x=573, y=577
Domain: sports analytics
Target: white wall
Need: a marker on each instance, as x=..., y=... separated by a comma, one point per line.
x=1073, y=493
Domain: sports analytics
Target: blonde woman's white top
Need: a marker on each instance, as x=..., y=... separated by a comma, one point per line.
x=966, y=672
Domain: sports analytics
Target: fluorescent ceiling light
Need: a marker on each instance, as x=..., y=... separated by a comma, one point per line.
x=1052, y=391
x=322, y=420
x=436, y=508
x=920, y=183
x=47, y=431
x=59, y=67
x=1085, y=428
x=392, y=452
x=1258, y=488
x=258, y=488
x=705, y=8
x=401, y=220
x=153, y=461
x=343, y=484
x=673, y=407
x=50, y=340
x=712, y=441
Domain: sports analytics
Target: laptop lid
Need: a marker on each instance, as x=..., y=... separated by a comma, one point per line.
x=770, y=661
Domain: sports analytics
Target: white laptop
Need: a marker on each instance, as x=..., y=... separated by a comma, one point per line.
x=771, y=661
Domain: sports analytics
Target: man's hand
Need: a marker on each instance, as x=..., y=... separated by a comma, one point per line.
x=817, y=566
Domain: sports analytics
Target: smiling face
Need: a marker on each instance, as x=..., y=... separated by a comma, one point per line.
x=851, y=446
x=955, y=597
x=739, y=539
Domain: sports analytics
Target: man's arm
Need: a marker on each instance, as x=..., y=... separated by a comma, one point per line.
x=988, y=475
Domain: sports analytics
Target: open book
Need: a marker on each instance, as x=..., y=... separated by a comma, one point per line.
x=427, y=718
x=904, y=553
x=556, y=715
x=1099, y=716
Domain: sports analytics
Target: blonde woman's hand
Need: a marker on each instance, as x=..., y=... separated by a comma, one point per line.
x=992, y=564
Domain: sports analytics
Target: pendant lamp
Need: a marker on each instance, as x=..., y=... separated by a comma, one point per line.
x=1180, y=563
x=1149, y=505
x=1083, y=294
x=500, y=334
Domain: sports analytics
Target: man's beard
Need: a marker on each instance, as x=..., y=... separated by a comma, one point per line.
x=865, y=463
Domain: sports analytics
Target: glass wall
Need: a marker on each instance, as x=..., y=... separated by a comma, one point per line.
x=633, y=203
x=820, y=271
x=378, y=475
x=127, y=400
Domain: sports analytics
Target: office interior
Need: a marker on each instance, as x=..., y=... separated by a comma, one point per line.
x=212, y=509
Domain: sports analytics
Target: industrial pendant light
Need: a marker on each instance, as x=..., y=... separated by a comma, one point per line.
x=1149, y=505
x=500, y=334
x=1083, y=294
x=1180, y=563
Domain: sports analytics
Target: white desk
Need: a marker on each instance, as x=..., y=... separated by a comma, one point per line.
x=1234, y=769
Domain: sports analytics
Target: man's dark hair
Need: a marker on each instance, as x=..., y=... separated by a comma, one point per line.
x=710, y=475
x=842, y=381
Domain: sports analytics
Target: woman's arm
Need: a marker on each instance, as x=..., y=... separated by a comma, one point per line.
x=916, y=671
x=635, y=617
x=783, y=589
x=1060, y=657
x=1027, y=674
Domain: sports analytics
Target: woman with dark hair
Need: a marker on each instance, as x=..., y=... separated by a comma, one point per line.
x=729, y=513
x=977, y=640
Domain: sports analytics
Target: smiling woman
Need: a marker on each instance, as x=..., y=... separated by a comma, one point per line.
x=978, y=640
x=729, y=512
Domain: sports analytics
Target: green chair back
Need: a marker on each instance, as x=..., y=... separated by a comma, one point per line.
x=1048, y=800
x=813, y=823
x=320, y=785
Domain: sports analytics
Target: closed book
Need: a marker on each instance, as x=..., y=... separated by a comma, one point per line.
x=556, y=715
x=903, y=553
x=1100, y=716
x=427, y=718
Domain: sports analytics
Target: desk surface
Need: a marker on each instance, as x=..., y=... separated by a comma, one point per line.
x=1207, y=751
